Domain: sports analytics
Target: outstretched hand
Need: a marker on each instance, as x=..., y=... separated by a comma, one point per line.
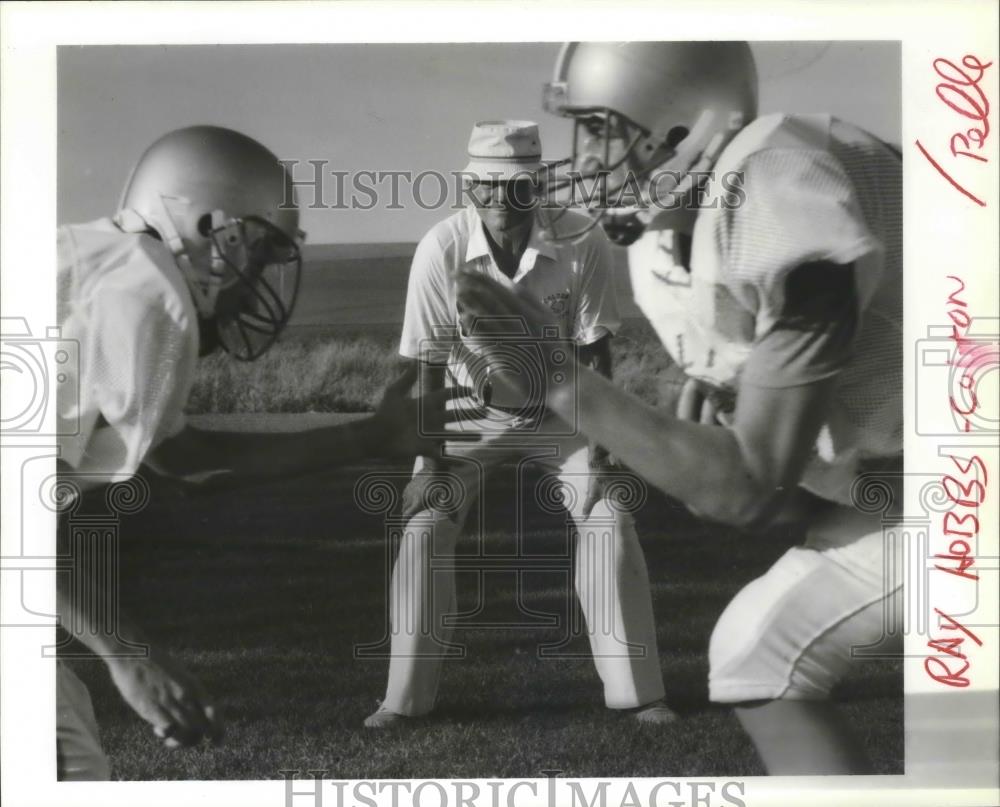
x=167, y=697
x=532, y=360
x=405, y=426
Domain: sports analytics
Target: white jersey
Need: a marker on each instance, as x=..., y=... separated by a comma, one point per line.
x=815, y=190
x=125, y=302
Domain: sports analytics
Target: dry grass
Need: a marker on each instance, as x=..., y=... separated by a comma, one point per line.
x=265, y=594
x=307, y=372
x=345, y=370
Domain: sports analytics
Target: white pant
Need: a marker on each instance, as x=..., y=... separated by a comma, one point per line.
x=78, y=745
x=612, y=583
x=792, y=633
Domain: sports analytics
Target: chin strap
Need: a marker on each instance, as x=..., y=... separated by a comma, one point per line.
x=695, y=156
x=203, y=292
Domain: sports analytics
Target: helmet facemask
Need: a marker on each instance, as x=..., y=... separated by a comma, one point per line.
x=657, y=116
x=624, y=175
x=243, y=273
x=255, y=270
x=225, y=207
x=600, y=174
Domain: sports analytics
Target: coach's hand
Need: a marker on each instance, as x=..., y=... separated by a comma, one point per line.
x=167, y=697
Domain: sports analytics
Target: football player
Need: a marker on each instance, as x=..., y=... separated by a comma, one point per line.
x=203, y=253
x=766, y=253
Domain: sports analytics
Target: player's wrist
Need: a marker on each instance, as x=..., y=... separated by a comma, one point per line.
x=125, y=645
x=573, y=384
x=371, y=437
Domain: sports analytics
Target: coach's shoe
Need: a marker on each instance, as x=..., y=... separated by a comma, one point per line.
x=385, y=719
x=656, y=713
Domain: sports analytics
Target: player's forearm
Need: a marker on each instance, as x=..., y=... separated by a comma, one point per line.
x=78, y=618
x=221, y=457
x=703, y=466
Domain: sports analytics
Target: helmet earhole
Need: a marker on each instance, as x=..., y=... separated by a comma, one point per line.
x=205, y=225
x=676, y=135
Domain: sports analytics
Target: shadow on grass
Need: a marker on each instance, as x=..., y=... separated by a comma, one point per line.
x=254, y=591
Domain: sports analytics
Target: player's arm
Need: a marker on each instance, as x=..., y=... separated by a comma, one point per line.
x=210, y=456
x=160, y=691
x=746, y=473
x=739, y=475
x=199, y=455
x=157, y=688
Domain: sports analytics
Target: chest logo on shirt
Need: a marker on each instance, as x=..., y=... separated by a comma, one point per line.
x=558, y=303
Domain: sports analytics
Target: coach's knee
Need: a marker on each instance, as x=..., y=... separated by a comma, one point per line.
x=612, y=543
x=429, y=533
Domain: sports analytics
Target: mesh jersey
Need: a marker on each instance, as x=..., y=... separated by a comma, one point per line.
x=815, y=189
x=125, y=302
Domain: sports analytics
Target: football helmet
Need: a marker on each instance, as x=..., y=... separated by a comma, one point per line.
x=649, y=118
x=226, y=208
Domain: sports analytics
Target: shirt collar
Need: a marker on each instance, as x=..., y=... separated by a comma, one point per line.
x=479, y=247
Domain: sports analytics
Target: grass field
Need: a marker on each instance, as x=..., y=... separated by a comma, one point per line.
x=264, y=593
x=345, y=369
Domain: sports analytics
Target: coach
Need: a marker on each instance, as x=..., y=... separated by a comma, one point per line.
x=498, y=234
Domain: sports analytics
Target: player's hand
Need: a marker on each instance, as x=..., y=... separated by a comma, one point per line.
x=479, y=296
x=167, y=697
x=545, y=359
x=701, y=403
x=404, y=426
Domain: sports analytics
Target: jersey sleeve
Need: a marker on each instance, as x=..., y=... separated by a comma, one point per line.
x=136, y=376
x=597, y=313
x=427, y=310
x=813, y=337
x=798, y=208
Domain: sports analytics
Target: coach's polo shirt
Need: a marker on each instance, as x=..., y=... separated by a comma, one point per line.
x=574, y=280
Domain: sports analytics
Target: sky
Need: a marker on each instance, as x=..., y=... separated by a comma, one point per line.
x=379, y=107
